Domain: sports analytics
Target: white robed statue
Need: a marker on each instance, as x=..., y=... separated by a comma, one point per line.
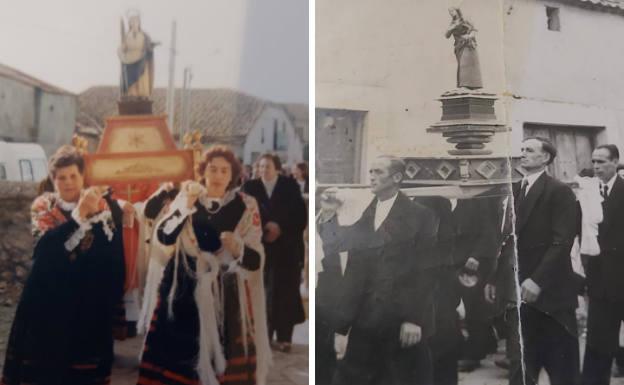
x=136, y=54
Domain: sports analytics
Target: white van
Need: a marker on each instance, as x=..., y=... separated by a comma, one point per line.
x=22, y=162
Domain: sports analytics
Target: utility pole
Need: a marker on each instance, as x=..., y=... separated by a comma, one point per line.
x=185, y=119
x=171, y=88
x=189, y=99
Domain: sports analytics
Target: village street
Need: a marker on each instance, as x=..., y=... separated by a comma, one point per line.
x=288, y=369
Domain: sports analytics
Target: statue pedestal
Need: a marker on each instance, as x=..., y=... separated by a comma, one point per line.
x=135, y=155
x=459, y=170
x=468, y=121
x=470, y=175
x=129, y=105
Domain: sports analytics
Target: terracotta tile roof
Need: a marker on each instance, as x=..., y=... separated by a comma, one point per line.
x=221, y=113
x=18, y=76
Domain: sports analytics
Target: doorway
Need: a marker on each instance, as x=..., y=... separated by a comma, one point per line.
x=574, y=147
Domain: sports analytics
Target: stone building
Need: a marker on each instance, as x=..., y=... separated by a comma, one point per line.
x=554, y=66
x=34, y=111
x=251, y=126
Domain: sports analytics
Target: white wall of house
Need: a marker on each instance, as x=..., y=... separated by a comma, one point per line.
x=17, y=110
x=391, y=60
x=261, y=137
x=567, y=77
x=57, y=119
x=48, y=121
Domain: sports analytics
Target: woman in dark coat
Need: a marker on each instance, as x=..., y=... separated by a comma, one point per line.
x=284, y=219
x=63, y=327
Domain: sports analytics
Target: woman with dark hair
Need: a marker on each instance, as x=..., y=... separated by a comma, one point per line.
x=284, y=218
x=62, y=331
x=300, y=173
x=46, y=185
x=209, y=326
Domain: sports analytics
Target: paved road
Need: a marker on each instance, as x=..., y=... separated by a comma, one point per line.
x=288, y=369
x=6, y=318
x=490, y=374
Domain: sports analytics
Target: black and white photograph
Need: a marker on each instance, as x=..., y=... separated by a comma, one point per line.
x=468, y=198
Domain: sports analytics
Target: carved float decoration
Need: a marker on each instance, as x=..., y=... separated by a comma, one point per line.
x=136, y=154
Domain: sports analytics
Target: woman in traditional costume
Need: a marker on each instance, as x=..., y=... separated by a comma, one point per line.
x=209, y=326
x=151, y=212
x=62, y=331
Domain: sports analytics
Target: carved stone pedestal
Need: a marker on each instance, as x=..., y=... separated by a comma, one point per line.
x=468, y=121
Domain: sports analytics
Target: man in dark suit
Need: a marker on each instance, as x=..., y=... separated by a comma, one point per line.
x=500, y=289
x=473, y=247
x=284, y=218
x=462, y=249
x=333, y=277
x=545, y=228
x=386, y=298
x=605, y=272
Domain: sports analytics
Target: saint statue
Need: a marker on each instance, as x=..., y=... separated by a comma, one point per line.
x=136, y=54
x=468, y=71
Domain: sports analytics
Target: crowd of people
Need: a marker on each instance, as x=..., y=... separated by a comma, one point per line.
x=222, y=283
x=412, y=291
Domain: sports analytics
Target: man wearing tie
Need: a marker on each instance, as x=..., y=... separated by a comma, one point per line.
x=605, y=272
x=387, y=289
x=545, y=228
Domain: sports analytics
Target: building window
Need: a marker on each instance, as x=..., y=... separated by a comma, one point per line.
x=3, y=175
x=282, y=139
x=552, y=16
x=262, y=135
x=26, y=170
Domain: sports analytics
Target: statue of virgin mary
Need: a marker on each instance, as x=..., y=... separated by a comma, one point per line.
x=468, y=68
x=136, y=54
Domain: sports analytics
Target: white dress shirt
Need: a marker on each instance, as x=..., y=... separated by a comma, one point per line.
x=269, y=186
x=453, y=203
x=531, y=179
x=506, y=205
x=609, y=185
x=302, y=184
x=382, y=209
